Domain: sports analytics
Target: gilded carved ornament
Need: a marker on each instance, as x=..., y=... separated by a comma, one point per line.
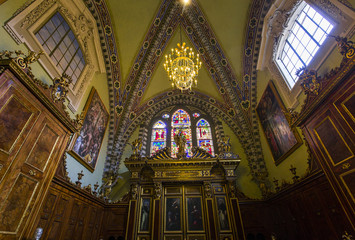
x=157, y=190
x=134, y=191
x=309, y=81
x=207, y=189
x=60, y=88
x=345, y=46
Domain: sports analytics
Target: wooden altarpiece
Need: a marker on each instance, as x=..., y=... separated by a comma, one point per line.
x=185, y=198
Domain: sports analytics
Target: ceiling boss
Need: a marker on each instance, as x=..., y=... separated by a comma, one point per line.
x=182, y=66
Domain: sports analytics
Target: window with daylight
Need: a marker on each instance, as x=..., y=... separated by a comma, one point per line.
x=158, y=136
x=59, y=42
x=204, y=136
x=196, y=129
x=298, y=47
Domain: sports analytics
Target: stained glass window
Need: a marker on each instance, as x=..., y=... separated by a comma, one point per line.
x=181, y=122
x=166, y=116
x=158, y=139
x=196, y=115
x=204, y=136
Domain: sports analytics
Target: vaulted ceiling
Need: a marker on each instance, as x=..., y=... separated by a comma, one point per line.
x=136, y=35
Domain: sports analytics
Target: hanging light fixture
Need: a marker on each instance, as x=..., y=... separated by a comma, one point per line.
x=182, y=66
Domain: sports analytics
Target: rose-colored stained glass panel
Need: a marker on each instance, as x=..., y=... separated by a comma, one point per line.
x=196, y=115
x=158, y=139
x=156, y=146
x=180, y=119
x=206, y=145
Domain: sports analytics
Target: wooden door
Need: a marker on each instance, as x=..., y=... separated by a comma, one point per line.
x=332, y=136
x=31, y=143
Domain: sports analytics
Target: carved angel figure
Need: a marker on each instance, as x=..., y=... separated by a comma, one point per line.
x=226, y=144
x=136, y=146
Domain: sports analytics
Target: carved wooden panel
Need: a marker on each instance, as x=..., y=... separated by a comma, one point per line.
x=81, y=221
x=69, y=213
x=345, y=104
x=58, y=217
x=132, y=218
x=17, y=116
x=73, y=218
x=329, y=127
x=17, y=204
x=31, y=142
x=42, y=148
x=307, y=210
x=332, y=140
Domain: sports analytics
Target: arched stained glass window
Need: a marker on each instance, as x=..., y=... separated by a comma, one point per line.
x=204, y=136
x=181, y=121
x=158, y=136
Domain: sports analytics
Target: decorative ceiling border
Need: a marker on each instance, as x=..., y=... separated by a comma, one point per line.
x=100, y=12
x=124, y=101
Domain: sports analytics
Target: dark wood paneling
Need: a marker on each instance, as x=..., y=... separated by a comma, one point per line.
x=308, y=210
x=211, y=219
x=70, y=213
x=156, y=219
x=132, y=220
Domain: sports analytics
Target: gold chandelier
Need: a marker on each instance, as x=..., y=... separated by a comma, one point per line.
x=182, y=67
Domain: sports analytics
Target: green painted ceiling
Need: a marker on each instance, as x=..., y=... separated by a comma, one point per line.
x=131, y=21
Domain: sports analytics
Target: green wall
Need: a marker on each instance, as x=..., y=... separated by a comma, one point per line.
x=299, y=157
x=244, y=177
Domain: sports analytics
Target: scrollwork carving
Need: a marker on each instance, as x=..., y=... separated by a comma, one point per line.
x=157, y=190
x=60, y=88
x=277, y=23
x=291, y=115
x=37, y=12
x=345, y=46
x=207, y=189
x=134, y=191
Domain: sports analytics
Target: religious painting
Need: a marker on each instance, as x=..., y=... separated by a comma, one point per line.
x=144, y=219
x=173, y=214
x=86, y=145
x=281, y=138
x=194, y=214
x=222, y=214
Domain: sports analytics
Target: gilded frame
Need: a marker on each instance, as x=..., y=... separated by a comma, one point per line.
x=280, y=136
x=86, y=145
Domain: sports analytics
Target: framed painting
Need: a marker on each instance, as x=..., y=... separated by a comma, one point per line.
x=194, y=214
x=173, y=214
x=144, y=219
x=85, y=145
x=281, y=138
